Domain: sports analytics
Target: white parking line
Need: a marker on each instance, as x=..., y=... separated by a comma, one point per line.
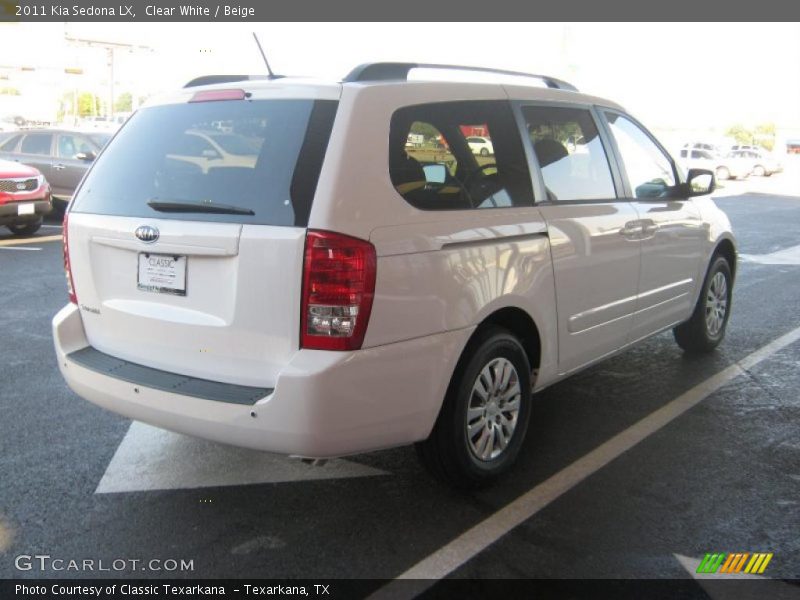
x=149, y=458
x=17, y=248
x=787, y=256
x=52, y=226
x=470, y=543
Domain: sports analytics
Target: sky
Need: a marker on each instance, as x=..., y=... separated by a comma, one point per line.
x=670, y=75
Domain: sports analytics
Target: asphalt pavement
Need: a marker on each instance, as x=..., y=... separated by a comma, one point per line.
x=79, y=482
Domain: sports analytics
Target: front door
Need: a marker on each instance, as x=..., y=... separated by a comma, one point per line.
x=672, y=231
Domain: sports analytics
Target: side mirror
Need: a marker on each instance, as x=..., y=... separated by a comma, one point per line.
x=700, y=182
x=435, y=173
x=87, y=156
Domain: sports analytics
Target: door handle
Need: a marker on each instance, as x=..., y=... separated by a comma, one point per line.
x=649, y=228
x=59, y=166
x=632, y=230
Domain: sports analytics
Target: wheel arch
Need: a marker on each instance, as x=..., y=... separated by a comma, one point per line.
x=518, y=322
x=726, y=249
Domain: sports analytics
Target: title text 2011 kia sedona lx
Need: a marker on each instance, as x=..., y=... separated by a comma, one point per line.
x=320, y=288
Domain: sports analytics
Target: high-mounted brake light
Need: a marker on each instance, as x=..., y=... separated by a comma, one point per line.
x=214, y=95
x=67, y=267
x=338, y=287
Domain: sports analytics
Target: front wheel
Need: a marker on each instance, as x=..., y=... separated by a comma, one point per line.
x=705, y=329
x=484, y=152
x=485, y=414
x=759, y=171
x=723, y=173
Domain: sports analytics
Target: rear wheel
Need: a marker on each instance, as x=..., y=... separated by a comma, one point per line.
x=706, y=328
x=723, y=173
x=484, y=152
x=759, y=171
x=25, y=229
x=485, y=414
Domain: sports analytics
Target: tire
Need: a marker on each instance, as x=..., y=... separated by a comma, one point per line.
x=475, y=440
x=484, y=152
x=25, y=229
x=722, y=173
x=759, y=171
x=706, y=328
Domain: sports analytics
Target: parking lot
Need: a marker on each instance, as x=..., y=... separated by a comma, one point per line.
x=720, y=472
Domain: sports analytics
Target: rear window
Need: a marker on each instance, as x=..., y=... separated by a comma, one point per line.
x=37, y=143
x=261, y=157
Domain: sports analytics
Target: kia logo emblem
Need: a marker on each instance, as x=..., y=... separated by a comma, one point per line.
x=21, y=186
x=147, y=233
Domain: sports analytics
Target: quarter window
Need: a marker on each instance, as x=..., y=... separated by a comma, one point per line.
x=10, y=144
x=649, y=170
x=470, y=156
x=570, y=153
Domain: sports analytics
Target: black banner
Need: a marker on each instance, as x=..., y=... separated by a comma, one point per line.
x=401, y=10
x=377, y=589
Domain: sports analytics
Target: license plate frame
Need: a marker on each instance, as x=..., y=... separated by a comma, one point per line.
x=162, y=273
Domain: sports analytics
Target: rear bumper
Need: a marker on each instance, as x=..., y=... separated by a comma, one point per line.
x=325, y=404
x=9, y=211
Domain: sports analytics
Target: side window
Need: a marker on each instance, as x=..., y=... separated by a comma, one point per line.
x=570, y=153
x=37, y=143
x=467, y=155
x=650, y=172
x=10, y=144
x=69, y=146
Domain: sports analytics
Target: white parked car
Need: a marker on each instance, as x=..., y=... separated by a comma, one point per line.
x=724, y=167
x=761, y=162
x=339, y=296
x=480, y=145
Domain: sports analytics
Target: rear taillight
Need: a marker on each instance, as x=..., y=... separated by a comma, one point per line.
x=67, y=267
x=338, y=286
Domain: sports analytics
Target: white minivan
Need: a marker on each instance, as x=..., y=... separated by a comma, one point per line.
x=333, y=291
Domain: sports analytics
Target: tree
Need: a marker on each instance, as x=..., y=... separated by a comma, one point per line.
x=87, y=104
x=740, y=133
x=124, y=102
x=765, y=135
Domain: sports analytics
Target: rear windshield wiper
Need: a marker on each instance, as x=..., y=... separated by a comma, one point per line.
x=181, y=206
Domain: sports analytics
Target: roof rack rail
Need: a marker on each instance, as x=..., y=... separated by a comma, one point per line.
x=384, y=71
x=214, y=79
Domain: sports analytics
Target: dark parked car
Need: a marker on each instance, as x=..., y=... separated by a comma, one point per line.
x=62, y=156
x=24, y=198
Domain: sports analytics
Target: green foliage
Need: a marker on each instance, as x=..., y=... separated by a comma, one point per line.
x=88, y=104
x=762, y=135
x=765, y=135
x=741, y=134
x=124, y=102
x=9, y=91
x=426, y=129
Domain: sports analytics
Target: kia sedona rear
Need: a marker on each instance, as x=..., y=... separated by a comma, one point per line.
x=200, y=299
